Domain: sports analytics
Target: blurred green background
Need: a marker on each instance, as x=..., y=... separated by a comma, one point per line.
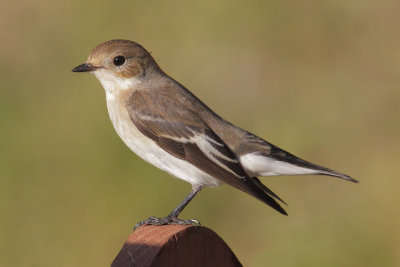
x=317, y=78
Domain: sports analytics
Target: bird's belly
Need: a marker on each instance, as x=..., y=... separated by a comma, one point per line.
x=148, y=150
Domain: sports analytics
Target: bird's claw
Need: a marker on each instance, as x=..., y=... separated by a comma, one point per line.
x=166, y=221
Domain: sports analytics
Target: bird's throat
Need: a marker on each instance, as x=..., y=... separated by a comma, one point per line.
x=113, y=85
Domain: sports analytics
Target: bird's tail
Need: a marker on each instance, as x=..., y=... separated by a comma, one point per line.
x=284, y=156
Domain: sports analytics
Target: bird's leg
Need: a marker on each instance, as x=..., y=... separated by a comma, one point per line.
x=172, y=218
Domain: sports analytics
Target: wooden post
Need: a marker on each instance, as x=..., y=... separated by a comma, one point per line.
x=174, y=246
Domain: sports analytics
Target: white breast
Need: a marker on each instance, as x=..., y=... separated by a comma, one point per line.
x=148, y=150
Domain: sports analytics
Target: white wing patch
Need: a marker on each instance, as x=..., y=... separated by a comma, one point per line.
x=259, y=165
x=208, y=149
x=203, y=142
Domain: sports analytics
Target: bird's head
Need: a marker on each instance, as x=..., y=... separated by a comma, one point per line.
x=119, y=64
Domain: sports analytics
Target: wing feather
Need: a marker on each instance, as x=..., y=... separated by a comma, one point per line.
x=180, y=131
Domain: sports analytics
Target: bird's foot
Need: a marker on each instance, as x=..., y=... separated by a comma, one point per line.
x=166, y=221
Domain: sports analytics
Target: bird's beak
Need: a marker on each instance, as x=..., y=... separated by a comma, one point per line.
x=85, y=67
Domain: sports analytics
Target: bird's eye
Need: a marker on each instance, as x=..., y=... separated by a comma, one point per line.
x=119, y=60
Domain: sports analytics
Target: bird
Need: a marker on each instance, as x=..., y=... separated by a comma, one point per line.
x=169, y=127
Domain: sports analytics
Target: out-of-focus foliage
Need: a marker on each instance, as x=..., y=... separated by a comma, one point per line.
x=317, y=78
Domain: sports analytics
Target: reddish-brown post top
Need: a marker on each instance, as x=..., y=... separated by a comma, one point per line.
x=175, y=246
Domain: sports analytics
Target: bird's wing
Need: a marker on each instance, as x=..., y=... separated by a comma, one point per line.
x=259, y=157
x=174, y=124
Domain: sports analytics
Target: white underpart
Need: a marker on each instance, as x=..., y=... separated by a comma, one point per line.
x=259, y=165
x=143, y=146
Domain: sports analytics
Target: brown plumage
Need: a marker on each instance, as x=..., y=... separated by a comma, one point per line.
x=165, y=124
x=166, y=121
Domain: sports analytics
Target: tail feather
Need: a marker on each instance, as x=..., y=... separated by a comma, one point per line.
x=281, y=155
